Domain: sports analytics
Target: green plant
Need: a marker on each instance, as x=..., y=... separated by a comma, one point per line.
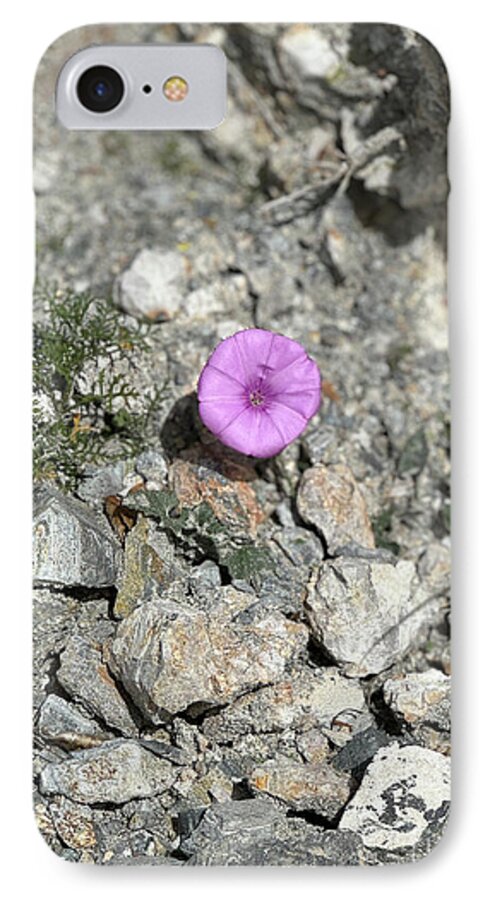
x=84, y=403
x=200, y=533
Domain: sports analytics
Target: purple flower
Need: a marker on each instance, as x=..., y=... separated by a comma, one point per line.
x=258, y=391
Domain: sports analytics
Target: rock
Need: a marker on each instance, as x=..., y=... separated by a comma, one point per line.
x=65, y=724
x=73, y=823
x=422, y=700
x=305, y=700
x=154, y=285
x=149, y=566
x=171, y=657
x=102, y=482
x=73, y=545
x=413, y=696
x=87, y=679
x=314, y=746
x=205, y=582
x=53, y=616
x=420, y=179
x=153, y=467
x=404, y=794
x=167, y=751
x=199, y=791
x=366, y=614
x=310, y=52
x=114, y=773
x=361, y=749
x=256, y=833
x=434, y=568
x=206, y=476
x=301, y=546
x=318, y=788
x=329, y=498
x=278, y=583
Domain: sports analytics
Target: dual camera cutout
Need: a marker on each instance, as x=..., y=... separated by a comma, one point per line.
x=100, y=89
x=143, y=87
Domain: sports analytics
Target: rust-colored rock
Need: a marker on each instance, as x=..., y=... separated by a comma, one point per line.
x=303, y=786
x=204, y=475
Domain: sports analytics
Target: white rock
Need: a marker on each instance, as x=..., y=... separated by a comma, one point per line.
x=310, y=51
x=405, y=791
x=153, y=286
x=366, y=614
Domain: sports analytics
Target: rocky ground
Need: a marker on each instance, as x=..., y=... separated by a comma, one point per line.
x=241, y=662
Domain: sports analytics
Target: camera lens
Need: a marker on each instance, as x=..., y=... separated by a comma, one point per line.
x=100, y=89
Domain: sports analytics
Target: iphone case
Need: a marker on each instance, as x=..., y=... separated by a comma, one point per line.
x=242, y=658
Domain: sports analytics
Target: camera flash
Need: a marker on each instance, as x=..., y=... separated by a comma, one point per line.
x=175, y=88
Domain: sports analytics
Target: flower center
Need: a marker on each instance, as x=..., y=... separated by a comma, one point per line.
x=256, y=398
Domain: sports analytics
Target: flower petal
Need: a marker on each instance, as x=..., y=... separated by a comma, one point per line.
x=284, y=351
x=217, y=385
x=253, y=433
x=218, y=416
x=301, y=374
x=306, y=403
x=242, y=354
x=288, y=422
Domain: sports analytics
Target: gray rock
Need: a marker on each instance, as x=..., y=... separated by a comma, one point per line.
x=73, y=545
x=170, y=657
x=330, y=499
x=219, y=298
x=415, y=696
x=205, y=582
x=422, y=701
x=54, y=616
x=361, y=749
x=404, y=793
x=114, y=773
x=301, y=546
x=199, y=790
x=65, y=724
x=434, y=567
x=153, y=467
x=414, y=454
x=103, y=482
x=305, y=700
x=302, y=786
x=256, y=833
x=367, y=614
x=420, y=179
x=148, y=567
x=154, y=285
x=87, y=679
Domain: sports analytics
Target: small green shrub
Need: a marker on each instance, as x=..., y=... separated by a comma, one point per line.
x=84, y=413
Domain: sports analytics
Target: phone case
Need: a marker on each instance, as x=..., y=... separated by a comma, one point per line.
x=241, y=461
